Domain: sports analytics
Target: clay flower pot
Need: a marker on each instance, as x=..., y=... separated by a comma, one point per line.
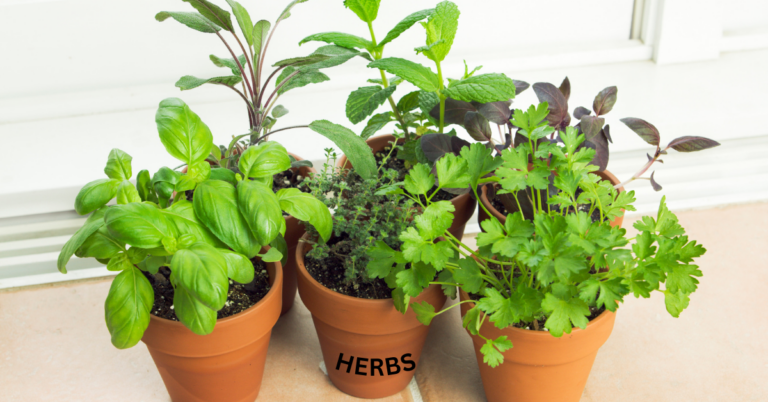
x=540, y=367
x=226, y=365
x=485, y=194
x=370, y=349
x=465, y=205
x=293, y=232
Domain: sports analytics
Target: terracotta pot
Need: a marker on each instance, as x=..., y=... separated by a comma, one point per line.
x=370, y=349
x=293, y=232
x=488, y=188
x=226, y=365
x=540, y=367
x=465, y=205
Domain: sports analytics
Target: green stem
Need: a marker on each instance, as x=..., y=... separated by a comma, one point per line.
x=377, y=55
x=440, y=96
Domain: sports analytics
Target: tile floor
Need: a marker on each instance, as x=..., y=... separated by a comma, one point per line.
x=54, y=345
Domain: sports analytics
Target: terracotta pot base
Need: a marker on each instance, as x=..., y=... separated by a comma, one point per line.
x=540, y=367
x=370, y=349
x=226, y=365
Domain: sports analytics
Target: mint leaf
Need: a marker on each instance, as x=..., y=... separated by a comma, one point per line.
x=482, y=88
x=364, y=101
x=404, y=25
x=376, y=123
x=412, y=72
x=366, y=10
x=441, y=27
x=564, y=312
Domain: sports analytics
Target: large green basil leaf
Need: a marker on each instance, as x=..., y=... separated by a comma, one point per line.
x=307, y=208
x=138, y=224
x=92, y=224
x=264, y=160
x=261, y=210
x=215, y=203
x=127, y=193
x=193, y=314
x=280, y=245
x=224, y=175
x=182, y=132
x=164, y=183
x=239, y=267
x=118, y=165
x=95, y=195
x=100, y=245
x=181, y=216
x=127, y=307
x=202, y=271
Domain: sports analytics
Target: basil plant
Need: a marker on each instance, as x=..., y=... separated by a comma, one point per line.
x=553, y=271
x=205, y=242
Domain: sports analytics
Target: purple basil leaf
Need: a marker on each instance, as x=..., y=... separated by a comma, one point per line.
x=454, y=111
x=520, y=86
x=592, y=127
x=655, y=185
x=607, y=133
x=565, y=89
x=649, y=157
x=605, y=100
x=497, y=112
x=477, y=126
x=580, y=112
x=558, y=105
x=692, y=144
x=645, y=130
x=457, y=144
x=435, y=146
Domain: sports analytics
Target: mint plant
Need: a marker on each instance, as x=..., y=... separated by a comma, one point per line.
x=556, y=270
x=412, y=111
x=205, y=224
x=248, y=68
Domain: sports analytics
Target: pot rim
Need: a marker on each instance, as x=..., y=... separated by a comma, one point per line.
x=301, y=252
x=541, y=334
x=278, y=278
x=342, y=162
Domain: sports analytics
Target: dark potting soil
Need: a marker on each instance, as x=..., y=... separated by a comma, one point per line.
x=240, y=297
x=330, y=271
x=399, y=166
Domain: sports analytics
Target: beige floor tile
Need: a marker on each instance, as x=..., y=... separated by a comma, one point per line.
x=54, y=345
